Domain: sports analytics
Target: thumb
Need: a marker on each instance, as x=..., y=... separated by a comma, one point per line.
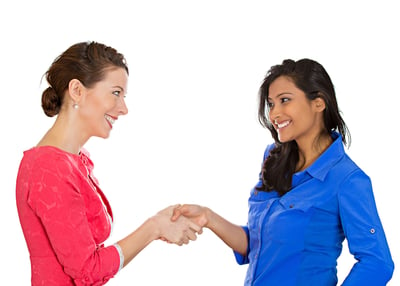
x=176, y=213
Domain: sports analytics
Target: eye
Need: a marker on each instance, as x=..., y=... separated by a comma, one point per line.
x=284, y=99
x=270, y=105
x=117, y=93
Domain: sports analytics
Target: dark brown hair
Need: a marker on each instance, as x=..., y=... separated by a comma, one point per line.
x=311, y=77
x=87, y=62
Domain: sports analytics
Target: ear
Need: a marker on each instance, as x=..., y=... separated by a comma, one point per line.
x=75, y=90
x=319, y=104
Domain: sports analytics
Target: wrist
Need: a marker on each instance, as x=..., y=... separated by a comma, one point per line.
x=153, y=226
x=208, y=213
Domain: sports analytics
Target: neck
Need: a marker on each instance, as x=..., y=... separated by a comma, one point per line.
x=64, y=136
x=309, y=153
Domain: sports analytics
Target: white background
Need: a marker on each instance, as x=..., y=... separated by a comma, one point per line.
x=192, y=135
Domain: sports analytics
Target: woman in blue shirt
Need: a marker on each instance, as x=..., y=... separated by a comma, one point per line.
x=310, y=195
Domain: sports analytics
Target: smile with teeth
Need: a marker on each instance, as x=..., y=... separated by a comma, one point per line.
x=109, y=119
x=282, y=124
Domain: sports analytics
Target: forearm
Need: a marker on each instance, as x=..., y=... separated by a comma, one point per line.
x=233, y=235
x=158, y=226
x=138, y=240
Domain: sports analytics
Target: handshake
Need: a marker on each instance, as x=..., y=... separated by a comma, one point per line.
x=179, y=224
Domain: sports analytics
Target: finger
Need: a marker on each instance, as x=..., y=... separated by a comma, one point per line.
x=197, y=231
x=186, y=240
x=165, y=240
x=194, y=226
x=191, y=235
x=176, y=213
x=177, y=206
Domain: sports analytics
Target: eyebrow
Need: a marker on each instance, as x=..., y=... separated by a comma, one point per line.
x=120, y=87
x=280, y=94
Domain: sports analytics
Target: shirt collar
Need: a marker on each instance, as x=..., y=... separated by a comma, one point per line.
x=320, y=168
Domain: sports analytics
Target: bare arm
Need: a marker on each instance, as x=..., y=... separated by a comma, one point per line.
x=233, y=235
x=159, y=226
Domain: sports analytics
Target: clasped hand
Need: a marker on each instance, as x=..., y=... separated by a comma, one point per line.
x=175, y=227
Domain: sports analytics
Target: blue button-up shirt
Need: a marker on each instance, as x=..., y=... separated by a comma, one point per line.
x=296, y=239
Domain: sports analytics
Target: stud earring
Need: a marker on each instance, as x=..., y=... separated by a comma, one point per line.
x=75, y=106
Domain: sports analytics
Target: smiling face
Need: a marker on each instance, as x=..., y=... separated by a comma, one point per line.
x=292, y=114
x=102, y=104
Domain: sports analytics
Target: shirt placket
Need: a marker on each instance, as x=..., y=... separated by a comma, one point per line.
x=255, y=258
x=92, y=183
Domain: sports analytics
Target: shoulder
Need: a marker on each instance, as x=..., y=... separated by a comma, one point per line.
x=51, y=174
x=348, y=169
x=342, y=164
x=353, y=183
x=54, y=159
x=49, y=166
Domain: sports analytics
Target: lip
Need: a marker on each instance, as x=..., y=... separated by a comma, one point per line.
x=110, y=119
x=282, y=124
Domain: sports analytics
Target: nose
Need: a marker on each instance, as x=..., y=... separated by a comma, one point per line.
x=273, y=114
x=123, y=109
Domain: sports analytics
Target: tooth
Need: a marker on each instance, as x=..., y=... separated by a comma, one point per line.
x=284, y=124
x=109, y=119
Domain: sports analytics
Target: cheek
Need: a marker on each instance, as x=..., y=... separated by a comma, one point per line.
x=111, y=103
x=302, y=112
x=308, y=120
x=106, y=104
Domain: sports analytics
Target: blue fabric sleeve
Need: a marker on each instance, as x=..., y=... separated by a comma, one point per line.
x=240, y=259
x=364, y=232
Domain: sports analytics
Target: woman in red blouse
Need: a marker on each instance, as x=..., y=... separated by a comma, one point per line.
x=65, y=217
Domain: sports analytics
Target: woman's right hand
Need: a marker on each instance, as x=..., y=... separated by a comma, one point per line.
x=233, y=235
x=179, y=231
x=196, y=213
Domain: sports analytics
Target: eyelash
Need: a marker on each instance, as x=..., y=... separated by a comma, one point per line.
x=282, y=101
x=117, y=93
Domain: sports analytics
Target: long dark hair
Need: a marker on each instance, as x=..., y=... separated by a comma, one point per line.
x=311, y=77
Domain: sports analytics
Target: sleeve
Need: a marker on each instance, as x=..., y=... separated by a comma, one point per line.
x=364, y=233
x=240, y=259
x=121, y=256
x=56, y=200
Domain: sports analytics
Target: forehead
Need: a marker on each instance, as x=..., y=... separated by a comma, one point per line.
x=116, y=74
x=282, y=85
x=116, y=77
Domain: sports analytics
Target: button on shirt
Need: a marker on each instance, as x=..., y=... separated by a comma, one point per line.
x=296, y=239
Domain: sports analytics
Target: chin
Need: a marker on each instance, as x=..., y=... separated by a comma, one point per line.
x=283, y=140
x=103, y=135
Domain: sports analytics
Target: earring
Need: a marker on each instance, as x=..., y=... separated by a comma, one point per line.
x=75, y=106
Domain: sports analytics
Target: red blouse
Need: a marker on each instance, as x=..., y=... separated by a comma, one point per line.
x=65, y=218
